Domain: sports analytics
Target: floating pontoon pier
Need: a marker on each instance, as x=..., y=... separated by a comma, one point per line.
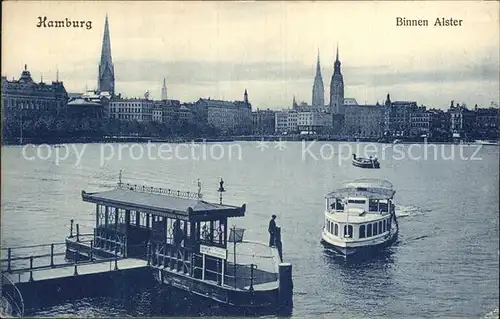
x=179, y=239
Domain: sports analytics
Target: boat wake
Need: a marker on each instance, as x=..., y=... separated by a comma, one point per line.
x=410, y=211
x=491, y=315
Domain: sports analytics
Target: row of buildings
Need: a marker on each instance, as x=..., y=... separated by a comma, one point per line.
x=340, y=116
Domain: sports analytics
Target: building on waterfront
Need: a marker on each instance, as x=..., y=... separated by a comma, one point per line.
x=263, y=121
x=318, y=91
x=231, y=117
x=90, y=105
x=32, y=100
x=106, y=79
x=140, y=110
x=315, y=121
x=397, y=116
x=486, y=122
x=363, y=120
x=286, y=121
x=462, y=121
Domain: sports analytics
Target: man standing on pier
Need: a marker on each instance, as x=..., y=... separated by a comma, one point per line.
x=272, y=231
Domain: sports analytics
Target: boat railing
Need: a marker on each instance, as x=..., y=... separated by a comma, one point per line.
x=233, y=274
x=13, y=296
x=32, y=258
x=161, y=191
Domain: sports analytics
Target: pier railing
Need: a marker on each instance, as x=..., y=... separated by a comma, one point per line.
x=13, y=296
x=29, y=259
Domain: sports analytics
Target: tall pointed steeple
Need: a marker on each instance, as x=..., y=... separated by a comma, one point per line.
x=318, y=91
x=106, y=81
x=337, y=88
x=245, y=97
x=164, y=90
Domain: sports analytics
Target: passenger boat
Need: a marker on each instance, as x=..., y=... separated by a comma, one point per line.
x=365, y=162
x=360, y=216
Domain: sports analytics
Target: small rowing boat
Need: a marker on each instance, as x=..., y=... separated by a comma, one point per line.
x=365, y=162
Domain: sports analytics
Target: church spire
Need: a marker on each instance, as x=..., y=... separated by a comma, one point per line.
x=337, y=88
x=106, y=68
x=245, y=97
x=164, y=90
x=318, y=91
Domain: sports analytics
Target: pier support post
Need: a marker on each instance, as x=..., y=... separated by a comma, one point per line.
x=51, y=255
x=148, y=253
x=9, y=256
x=75, y=273
x=71, y=229
x=31, y=267
x=91, y=250
x=285, y=293
x=77, y=232
x=251, y=276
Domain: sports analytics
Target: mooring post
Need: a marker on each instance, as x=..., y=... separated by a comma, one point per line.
x=31, y=267
x=251, y=277
x=91, y=250
x=116, y=261
x=9, y=255
x=71, y=229
x=285, y=291
x=148, y=253
x=77, y=232
x=75, y=273
x=51, y=255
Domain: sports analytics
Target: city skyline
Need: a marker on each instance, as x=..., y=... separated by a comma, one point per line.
x=273, y=68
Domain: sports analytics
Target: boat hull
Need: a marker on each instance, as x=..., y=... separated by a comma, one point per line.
x=372, y=165
x=358, y=251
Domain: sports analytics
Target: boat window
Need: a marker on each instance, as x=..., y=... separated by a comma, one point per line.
x=375, y=229
x=383, y=206
x=356, y=201
x=369, y=230
x=388, y=224
x=380, y=227
x=373, y=205
x=336, y=229
x=348, y=231
x=362, y=231
x=339, y=205
x=384, y=226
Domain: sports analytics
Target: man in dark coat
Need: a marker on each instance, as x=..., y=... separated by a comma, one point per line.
x=272, y=231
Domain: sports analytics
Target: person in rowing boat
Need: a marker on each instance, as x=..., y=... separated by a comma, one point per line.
x=272, y=231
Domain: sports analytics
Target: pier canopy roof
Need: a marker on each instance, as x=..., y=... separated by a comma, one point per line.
x=369, y=188
x=163, y=202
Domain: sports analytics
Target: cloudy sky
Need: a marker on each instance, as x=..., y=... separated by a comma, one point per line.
x=217, y=49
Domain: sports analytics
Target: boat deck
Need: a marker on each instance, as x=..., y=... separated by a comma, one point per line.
x=83, y=269
x=267, y=260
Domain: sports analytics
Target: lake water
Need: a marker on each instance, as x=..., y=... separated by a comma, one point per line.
x=445, y=263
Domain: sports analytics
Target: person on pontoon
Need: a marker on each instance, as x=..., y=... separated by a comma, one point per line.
x=272, y=231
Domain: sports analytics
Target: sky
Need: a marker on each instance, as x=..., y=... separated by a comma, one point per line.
x=219, y=49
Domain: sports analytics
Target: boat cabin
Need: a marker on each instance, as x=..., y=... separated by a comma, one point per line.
x=361, y=209
x=169, y=228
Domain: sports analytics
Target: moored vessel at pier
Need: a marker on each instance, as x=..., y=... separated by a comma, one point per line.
x=360, y=217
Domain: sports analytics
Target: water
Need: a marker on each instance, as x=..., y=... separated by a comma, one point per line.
x=445, y=263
